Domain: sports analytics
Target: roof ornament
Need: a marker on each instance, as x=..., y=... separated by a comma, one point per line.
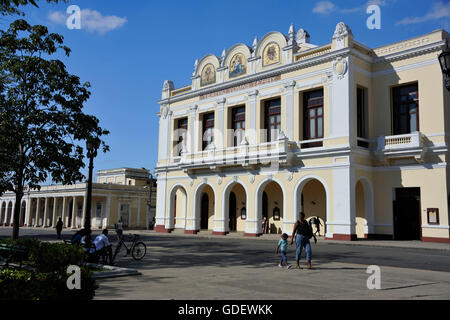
x=291, y=35
x=224, y=53
x=342, y=30
x=168, y=85
x=255, y=45
x=303, y=36
x=195, y=67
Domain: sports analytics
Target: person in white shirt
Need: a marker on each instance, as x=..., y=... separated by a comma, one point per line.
x=101, y=243
x=120, y=228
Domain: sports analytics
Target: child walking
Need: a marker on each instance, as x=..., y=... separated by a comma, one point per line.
x=282, y=247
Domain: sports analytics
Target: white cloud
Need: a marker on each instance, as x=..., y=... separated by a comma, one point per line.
x=324, y=7
x=438, y=11
x=380, y=3
x=91, y=20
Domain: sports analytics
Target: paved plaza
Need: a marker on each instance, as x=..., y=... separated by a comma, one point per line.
x=179, y=266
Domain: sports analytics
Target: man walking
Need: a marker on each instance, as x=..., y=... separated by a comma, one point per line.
x=59, y=227
x=317, y=223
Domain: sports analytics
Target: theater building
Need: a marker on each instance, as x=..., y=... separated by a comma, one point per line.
x=118, y=194
x=356, y=136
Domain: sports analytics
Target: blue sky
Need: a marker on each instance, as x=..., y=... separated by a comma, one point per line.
x=126, y=49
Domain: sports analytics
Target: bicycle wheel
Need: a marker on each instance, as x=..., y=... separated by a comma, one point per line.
x=139, y=251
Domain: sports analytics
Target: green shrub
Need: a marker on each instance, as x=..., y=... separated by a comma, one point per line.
x=49, y=257
x=48, y=277
x=34, y=285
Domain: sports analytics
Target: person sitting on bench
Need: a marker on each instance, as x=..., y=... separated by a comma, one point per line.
x=102, y=245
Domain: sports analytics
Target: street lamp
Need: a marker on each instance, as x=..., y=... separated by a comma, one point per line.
x=444, y=60
x=92, y=146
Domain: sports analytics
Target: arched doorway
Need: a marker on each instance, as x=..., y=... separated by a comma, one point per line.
x=311, y=198
x=232, y=212
x=204, y=209
x=177, y=208
x=204, y=215
x=270, y=204
x=234, y=207
x=3, y=213
x=364, y=218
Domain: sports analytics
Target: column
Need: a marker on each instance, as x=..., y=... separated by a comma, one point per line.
x=74, y=213
x=11, y=220
x=38, y=212
x=219, y=132
x=161, y=203
x=165, y=133
x=251, y=127
x=108, y=211
x=344, y=205
x=192, y=128
x=289, y=120
x=63, y=212
x=44, y=223
x=83, y=220
x=28, y=213
x=55, y=211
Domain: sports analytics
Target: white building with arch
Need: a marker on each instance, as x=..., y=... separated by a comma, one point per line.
x=353, y=135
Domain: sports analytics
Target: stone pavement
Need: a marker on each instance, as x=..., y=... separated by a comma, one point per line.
x=269, y=282
x=205, y=268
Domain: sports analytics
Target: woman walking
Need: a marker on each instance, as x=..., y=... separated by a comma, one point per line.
x=302, y=233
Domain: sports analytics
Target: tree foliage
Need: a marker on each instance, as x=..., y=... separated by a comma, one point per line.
x=42, y=124
x=8, y=7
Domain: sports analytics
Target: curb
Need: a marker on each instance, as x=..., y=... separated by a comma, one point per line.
x=114, y=272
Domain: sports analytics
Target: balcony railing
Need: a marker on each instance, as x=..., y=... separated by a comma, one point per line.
x=243, y=155
x=403, y=145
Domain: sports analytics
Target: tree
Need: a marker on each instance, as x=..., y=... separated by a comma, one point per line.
x=42, y=124
x=8, y=7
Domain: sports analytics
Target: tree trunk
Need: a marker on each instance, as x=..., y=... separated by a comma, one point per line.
x=17, y=209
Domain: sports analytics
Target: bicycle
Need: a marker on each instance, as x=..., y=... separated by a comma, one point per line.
x=137, y=249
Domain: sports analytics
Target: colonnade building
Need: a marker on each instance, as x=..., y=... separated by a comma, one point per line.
x=118, y=194
x=356, y=136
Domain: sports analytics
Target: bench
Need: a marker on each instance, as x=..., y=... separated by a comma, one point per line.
x=13, y=253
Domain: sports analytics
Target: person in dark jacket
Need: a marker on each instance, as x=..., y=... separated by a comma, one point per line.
x=59, y=227
x=302, y=233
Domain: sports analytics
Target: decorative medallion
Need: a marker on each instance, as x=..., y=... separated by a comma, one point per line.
x=219, y=180
x=238, y=66
x=208, y=75
x=164, y=111
x=271, y=54
x=340, y=68
x=252, y=179
x=191, y=182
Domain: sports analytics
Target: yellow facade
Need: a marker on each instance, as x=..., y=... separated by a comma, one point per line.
x=343, y=148
x=119, y=194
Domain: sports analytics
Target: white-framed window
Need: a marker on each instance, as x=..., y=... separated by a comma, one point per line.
x=124, y=214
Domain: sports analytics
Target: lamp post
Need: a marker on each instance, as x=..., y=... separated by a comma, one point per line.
x=92, y=146
x=444, y=60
